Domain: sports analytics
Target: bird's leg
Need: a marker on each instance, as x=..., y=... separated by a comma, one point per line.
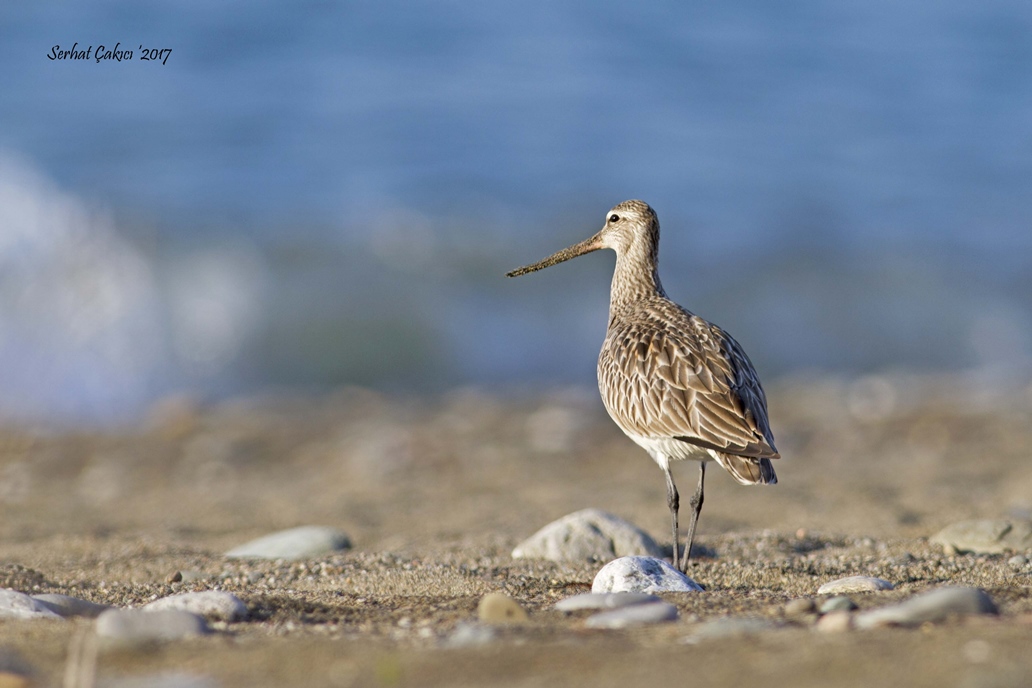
x=696, y=504
x=674, y=502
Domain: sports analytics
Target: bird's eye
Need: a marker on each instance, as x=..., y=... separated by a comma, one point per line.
x=614, y=218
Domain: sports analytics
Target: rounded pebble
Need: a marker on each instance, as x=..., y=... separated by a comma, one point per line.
x=937, y=605
x=985, y=536
x=838, y=603
x=211, y=604
x=642, y=574
x=634, y=615
x=800, y=607
x=470, y=635
x=588, y=535
x=71, y=606
x=136, y=625
x=603, y=600
x=295, y=543
x=17, y=605
x=854, y=584
x=1018, y=561
x=499, y=608
x=835, y=622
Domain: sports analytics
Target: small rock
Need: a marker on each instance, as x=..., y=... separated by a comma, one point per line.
x=1017, y=561
x=211, y=604
x=499, y=608
x=800, y=607
x=603, y=600
x=838, y=603
x=71, y=606
x=936, y=605
x=835, y=622
x=985, y=536
x=854, y=584
x=642, y=574
x=138, y=626
x=588, y=535
x=295, y=543
x=16, y=605
x=725, y=627
x=470, y=635
x=175, y=577
x=634, y=615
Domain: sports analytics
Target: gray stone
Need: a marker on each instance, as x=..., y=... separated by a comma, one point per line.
x=634, y=615
x=138, y=626
x=211, y=604
x=725, y=627
x=470, y=635
x=17, y=605
x=71, y=606
x=1017, y=561
x=642, y=574
x=296, y=543
x=588, y=535
x=838, y=603
x=854, y=584
x=603, y=600
x=937, y=605
x=985, y=536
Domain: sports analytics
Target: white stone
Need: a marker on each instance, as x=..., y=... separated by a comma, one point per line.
x=603, y=600
x=642, y=574
x=211, y=604
x=71, y=606
x=936, y=605
x=587, y=535
x=295, y=543
x=843, y=586
x=634, y=615
x=138, y=626
x=17, y=605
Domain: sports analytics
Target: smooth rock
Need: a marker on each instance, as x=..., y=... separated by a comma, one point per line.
x=603, y=600
x=633, y=615
x=800, y=607
x=642, y=574
x=727, y=626
x=587, y=535
x=499, y=608
x=211, y=604
x=854, y=584
x=838, y=603
x=139, y=626
x=470, y=635
x=295, y=543
x=985, y=536
x=1017, y=561
x=835, y=622
x=936, y=605
x=17, y=605
x=71, y=606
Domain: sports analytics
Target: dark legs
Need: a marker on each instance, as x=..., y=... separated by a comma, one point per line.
x=673, y=501
x=696, y=504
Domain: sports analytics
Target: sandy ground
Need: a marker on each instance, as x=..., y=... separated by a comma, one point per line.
x=435, y=492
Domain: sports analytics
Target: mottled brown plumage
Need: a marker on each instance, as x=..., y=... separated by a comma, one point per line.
x=678, y=386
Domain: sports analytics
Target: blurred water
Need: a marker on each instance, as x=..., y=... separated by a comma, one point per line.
x=313, y=193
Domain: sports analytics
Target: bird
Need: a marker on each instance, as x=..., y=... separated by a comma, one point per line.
x=677, y=385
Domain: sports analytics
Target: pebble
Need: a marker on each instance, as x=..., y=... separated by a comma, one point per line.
x=985, y=536
x=936, y=605
x=211, y=604
x=1017, y=561
x=16, y=605
x=642, y=574
x=603, y=600
x=499, y=608
x=139, y=626
x=634, y=615
x=470, y=635
x=838, y=603
x=727, y=626
x=854, y=584
x=800, y=607
x=71, y=606
x=295, y=543
x=835, y=622
x=589, y=535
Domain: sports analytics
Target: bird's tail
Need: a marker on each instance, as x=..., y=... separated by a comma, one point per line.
x=747, y=470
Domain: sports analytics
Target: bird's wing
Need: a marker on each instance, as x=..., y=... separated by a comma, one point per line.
x=679, y=376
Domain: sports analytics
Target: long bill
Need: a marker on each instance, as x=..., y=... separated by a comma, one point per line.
x=586, y=246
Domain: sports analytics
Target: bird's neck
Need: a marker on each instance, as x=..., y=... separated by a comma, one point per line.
x=636, y=277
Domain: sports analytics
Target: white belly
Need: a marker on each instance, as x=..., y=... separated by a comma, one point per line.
x=663, y=450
